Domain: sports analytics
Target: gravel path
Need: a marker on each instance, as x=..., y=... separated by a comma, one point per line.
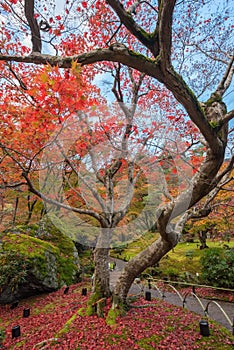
x=191, y=303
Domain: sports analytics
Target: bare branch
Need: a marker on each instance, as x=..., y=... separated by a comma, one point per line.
x=229, y=116
x=32, y=189
x=14, y=185
x=226, y=79
x=82, y=178
x=21, y=83
x=116, y=89
x=57, y=203
x=207, y=54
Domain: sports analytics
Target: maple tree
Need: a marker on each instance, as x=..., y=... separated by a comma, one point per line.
x=153, y=39
x=30, y=112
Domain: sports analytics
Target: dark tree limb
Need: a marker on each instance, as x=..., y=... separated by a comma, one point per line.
x=34, y=27
x=165, y=31
x=128, y=21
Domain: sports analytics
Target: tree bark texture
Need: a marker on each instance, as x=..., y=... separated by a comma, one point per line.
x=101, y=278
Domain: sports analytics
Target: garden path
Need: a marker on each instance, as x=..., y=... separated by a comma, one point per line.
x=191, y=302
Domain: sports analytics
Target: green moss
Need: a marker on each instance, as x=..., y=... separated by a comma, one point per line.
x=41, y=255
x=89, y=310
x=178, y=257
x=144, y=34
x=67, y=325
x=27, y=228
x=119, y=308
x=114, y=339
x=127, y=251
x=21, y=343
x=27, y=245
x=137, y=54
x=146, y=343
x=94, y=297
x=214, y=98
x=2, y=335
x=48, y=232
x=214, y=124
x=48, y=308
x=34, y=249
x=205, y=342
x=81, y=312
x=113, y=314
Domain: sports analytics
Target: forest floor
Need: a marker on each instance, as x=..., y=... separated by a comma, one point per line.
x=58, y=321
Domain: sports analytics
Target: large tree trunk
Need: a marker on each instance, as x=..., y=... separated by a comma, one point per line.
x=137, y=265
x=202, y=184
x=101, y=277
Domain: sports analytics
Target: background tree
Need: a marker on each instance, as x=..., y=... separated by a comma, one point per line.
x=157, y=41
x=213, y=215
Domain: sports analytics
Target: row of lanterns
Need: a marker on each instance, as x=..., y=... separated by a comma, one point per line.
x=204, y=326
x=15, y=331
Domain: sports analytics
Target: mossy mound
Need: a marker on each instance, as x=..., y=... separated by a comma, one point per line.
x=51, y=260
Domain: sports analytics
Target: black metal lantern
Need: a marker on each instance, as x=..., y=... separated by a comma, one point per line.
x=26, y=312
x=15, y=331
x=204, y=328
x=84, y=291
x=149, y=284
x=148, y=296
x=66, y=290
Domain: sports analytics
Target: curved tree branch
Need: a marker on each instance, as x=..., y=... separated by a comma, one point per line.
x=57, y=203
x=32, y=189
x=169, y=77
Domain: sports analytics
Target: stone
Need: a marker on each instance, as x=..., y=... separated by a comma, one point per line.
x=51, y=257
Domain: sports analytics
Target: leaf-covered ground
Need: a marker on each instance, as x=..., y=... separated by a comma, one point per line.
x=55, y=322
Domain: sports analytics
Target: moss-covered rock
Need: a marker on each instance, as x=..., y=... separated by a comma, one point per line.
x=50, y=256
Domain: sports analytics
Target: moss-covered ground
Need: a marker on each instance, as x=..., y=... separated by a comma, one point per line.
x=182, y=262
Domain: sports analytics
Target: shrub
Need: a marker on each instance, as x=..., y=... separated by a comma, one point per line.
x=218, y=267
x=13, y=269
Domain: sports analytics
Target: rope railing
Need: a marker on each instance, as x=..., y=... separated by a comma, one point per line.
x=198, y=300
x=225, y=314
x=196, y=285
